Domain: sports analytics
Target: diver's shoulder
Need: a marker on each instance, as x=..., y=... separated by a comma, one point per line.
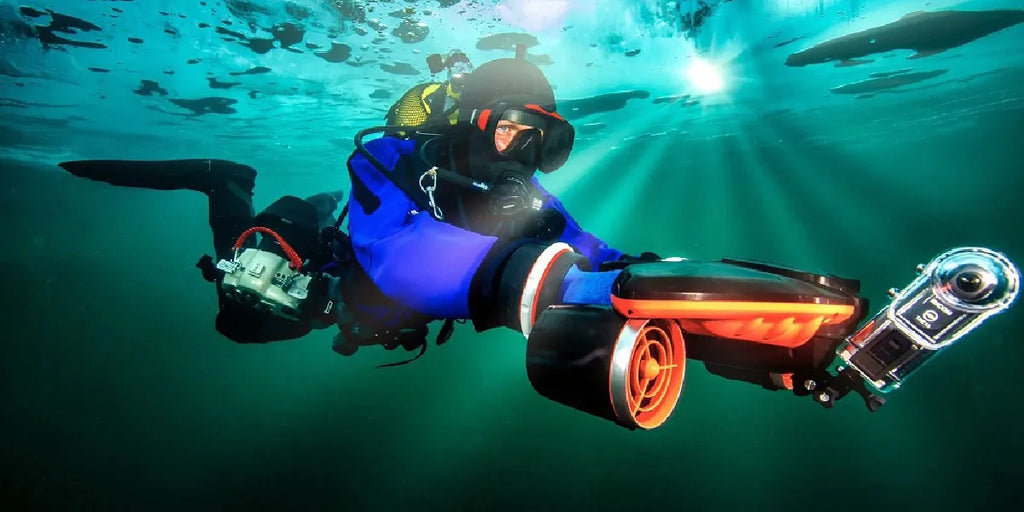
x=386, y=151
x=391, y=145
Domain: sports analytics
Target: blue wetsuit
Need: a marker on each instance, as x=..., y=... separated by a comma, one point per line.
x=424, y=264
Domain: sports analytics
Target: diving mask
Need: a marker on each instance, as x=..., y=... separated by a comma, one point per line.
x=546, y=146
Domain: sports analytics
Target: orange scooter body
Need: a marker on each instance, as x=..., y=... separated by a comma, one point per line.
x=736, y=299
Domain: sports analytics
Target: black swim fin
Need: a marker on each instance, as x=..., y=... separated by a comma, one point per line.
x=193, y=174
x=227, y=184
x=326, y=203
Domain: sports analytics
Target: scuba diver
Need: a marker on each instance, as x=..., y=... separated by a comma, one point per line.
x=403, y=262
x=448, y=221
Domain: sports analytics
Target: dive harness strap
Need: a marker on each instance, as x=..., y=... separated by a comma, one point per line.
x=371, y=202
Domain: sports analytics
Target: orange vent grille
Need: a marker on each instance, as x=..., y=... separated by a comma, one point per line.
x=773, y=323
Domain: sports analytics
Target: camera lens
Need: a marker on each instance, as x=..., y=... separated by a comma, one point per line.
x=973, y=283
x=968, y=282
x=975, y=279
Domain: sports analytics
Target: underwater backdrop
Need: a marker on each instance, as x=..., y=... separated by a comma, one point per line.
x=706, y=129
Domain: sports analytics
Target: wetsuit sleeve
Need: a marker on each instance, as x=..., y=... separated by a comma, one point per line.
x=416, y=260
x=593, y=248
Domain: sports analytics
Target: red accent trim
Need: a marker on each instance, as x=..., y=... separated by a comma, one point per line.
x=863, y=333
x=294, y=261
x=540, y=284
x=482, y=118
x=538, y=108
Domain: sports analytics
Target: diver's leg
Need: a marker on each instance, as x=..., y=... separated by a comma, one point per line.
x=228, y=185
x=231, y=212
x=195, y=174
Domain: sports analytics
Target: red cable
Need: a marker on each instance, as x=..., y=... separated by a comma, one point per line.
x=293, y=257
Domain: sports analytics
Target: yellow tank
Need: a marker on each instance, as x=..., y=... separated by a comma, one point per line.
x=424, y=104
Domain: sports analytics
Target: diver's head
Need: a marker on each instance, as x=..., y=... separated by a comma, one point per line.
x=508, y=107
x=502, y=79
x=459, y=68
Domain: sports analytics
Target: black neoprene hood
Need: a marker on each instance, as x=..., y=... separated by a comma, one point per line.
x=508, y=80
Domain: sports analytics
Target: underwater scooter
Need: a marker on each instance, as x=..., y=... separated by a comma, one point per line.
x=769, y=325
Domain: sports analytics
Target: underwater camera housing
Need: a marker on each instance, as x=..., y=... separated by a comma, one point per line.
x=264, y=281
x=953, y=294
x=270, y=277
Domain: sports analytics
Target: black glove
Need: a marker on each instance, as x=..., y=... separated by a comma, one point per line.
x=627, y=259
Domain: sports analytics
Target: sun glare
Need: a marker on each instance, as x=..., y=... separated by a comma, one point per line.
x=704, y=76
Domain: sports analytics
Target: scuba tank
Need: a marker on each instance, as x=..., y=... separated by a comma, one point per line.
x=432, y=103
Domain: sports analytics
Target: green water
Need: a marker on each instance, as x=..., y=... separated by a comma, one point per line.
x=116, y=393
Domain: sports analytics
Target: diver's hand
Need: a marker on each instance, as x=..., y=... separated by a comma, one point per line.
x=644, y=256
x=628, y=259
x=588, y=288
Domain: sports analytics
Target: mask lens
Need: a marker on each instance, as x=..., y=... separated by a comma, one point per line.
x=525, y=147
x=556, y=146
x=552, y=141
x=461, y=68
